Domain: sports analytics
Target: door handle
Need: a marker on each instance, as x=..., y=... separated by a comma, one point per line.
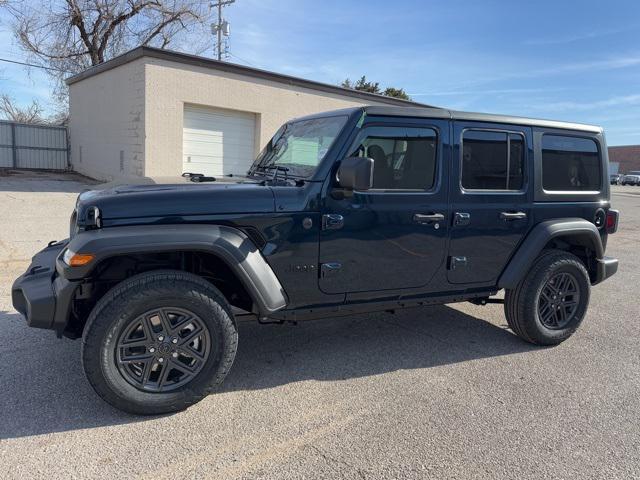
x=508, y=216
x=428, y=218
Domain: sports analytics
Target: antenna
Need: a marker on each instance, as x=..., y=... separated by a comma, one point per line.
x=221, y=28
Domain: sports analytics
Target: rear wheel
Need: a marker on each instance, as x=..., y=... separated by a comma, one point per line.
x=159, y=342
x=550, y=302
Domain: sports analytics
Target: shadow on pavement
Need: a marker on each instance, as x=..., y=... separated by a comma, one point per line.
x=43, y=388
x=43, y=181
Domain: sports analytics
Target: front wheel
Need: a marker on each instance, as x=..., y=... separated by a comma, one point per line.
x=550, y=302
x=159, y=342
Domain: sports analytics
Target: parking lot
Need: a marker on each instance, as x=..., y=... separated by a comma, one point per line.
x=440, y=392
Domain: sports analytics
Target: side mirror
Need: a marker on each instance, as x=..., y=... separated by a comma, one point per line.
x=356, y=173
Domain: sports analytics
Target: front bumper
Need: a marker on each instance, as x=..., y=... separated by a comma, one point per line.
x=41, y=295
x=605, y=267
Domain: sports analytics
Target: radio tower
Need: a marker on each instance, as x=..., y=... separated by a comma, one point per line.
x=220, y=29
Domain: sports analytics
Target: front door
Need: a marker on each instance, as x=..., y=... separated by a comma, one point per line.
x=394, y=235
x=490, y=199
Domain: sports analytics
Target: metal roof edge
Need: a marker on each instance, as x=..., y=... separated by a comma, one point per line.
x=195, y=60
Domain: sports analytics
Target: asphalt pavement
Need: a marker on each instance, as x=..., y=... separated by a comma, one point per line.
x=439, y=392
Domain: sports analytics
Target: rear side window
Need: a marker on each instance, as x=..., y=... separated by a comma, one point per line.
x=492, y=160
x=570, y=164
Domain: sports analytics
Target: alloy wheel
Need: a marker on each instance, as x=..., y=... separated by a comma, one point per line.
x=163, y=349
x=559, y=300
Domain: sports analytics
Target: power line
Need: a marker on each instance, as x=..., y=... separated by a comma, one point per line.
x=34, y=65
x=243, y=59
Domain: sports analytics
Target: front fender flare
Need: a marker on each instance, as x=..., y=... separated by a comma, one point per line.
x=539, y=236
x=230, y=244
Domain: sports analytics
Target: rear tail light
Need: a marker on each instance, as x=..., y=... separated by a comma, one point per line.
x=611, y=223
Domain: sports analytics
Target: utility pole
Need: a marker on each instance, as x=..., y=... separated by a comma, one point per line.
x=222, y=26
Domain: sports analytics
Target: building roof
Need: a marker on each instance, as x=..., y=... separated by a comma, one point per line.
x=396, y=106
x=204, y=62
x=628, y=156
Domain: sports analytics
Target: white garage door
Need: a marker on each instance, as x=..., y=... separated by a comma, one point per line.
x=217, y=141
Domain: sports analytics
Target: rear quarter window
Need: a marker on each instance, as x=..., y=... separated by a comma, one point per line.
x=570, y=164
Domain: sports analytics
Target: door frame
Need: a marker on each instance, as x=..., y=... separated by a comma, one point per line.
x=458, y=195
x=441, y=188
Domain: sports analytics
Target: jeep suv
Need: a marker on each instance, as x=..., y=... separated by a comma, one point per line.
x=351, y=211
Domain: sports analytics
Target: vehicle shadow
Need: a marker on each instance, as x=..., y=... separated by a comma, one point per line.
x=43, y=389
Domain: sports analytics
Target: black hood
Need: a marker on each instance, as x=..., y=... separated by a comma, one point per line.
x=171, y=200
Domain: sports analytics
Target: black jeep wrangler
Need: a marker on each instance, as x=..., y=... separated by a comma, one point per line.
x=350, y=211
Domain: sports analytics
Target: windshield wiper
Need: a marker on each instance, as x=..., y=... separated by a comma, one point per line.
x=275, y=177
x=276, y=169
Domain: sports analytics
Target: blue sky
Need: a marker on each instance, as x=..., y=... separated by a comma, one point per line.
x=577, y=61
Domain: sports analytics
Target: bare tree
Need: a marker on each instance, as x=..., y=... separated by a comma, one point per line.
x=32, y=113
x=68, y=36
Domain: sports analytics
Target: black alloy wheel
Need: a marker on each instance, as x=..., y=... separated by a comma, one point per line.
x=549, y=303
x=558, y=301
x=159, y=342
x=163, y=349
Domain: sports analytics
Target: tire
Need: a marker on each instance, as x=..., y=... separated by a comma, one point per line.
x=522, y=303
x=174, y=316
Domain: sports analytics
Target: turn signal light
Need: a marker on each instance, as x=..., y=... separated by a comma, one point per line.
x=77, y=259
x=80, y=259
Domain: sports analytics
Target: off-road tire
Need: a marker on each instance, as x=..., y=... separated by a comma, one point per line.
x=129, y=299
x=521, y=303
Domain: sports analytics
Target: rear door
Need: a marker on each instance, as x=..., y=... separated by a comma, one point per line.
x=490, y=199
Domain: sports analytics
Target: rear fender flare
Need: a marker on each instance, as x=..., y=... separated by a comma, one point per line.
x=539, y=236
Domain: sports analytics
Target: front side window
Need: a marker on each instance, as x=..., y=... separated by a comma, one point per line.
x=570, y=164
x=403, y=158
x=300, y=146
x=492, y=160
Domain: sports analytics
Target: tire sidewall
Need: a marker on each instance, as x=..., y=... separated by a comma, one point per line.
x=119, y=310
x=542, y=333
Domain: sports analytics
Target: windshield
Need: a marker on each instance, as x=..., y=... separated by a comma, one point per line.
x=300, y=146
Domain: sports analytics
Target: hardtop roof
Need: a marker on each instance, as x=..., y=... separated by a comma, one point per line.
x=393, y=111
x=443, y=113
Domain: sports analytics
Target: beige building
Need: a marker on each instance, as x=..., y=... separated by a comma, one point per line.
x=160, y=113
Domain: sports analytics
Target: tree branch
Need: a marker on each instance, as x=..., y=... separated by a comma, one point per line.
x=135, y=9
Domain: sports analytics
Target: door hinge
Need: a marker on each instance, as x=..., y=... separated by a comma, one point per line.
x=457, y=262
x=461, y=219
x=332, y=221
